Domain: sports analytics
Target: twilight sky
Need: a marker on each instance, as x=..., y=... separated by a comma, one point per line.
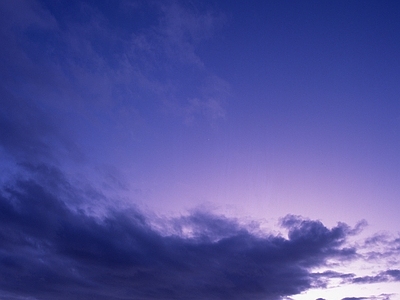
x=199, y=150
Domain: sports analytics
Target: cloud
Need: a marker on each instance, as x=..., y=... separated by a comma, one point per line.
x=390, y=275
x=70, y=72
x=382, y=246
x=385, y=276
x=380, y=297
x=52, y=251
x=77, y=58
x=76, y=78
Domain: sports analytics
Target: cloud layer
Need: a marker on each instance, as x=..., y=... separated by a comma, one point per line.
x=53, y=249
x=50, y=251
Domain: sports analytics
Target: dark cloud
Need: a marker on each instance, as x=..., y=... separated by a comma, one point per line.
x=49, y=251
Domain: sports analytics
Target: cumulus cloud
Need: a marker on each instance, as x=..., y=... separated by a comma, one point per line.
x=52, y=251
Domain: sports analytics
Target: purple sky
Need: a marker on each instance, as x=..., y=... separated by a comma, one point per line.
x=199, y=150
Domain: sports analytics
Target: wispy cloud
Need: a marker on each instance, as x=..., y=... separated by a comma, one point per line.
x=380, y=297
x=385, y=276
x=94, y=67
x=72, y=77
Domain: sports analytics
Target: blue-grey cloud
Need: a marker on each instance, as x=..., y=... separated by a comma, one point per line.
x=382, y=245
x=380, y=297
x=385, y=276
x=50, y=251
x=391, y=275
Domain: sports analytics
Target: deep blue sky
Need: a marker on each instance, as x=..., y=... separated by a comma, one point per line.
x=236, y=138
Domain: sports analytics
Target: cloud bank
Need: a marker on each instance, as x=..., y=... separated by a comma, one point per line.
x=50, y=251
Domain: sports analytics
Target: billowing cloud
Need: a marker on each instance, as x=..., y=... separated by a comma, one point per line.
x=50, y=250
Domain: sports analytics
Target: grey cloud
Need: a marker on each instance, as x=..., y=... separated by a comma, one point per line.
x=385, y=276
x=380, y=297
x=382, y=246
x=322, y=279
x=50, y=251
x=391, y=275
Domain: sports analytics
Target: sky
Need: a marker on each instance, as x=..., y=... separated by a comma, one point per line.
x=199, y=150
